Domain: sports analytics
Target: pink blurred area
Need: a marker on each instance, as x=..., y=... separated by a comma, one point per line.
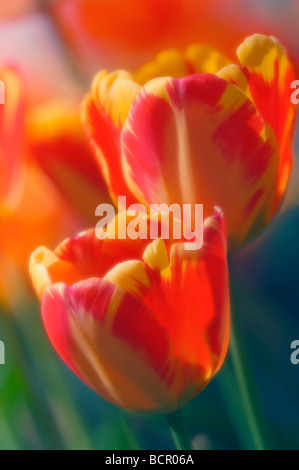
x=29, y=43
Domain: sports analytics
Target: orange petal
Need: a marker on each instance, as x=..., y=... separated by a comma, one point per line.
x=106, y=337
x=167, y=63
x=266, y=76
x=130, y=276
x=56, y=141
x=191, y=301
x=198, y=58
x=205, y=59
x=113, y=94
x=103, y=137
x=46, y=268
x=94, y=257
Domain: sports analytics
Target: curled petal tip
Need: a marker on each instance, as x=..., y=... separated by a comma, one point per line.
x=218, y=212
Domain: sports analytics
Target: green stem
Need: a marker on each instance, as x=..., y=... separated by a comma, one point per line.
x=179, y=431
x=247, y=390
x=245, y=381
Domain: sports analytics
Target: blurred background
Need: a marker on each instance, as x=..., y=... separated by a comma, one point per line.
x=50, y=50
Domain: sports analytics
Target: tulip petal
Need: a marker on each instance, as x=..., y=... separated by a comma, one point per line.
x=198, y=58
x=95, y=257
x=168, y=63
x=106, y=337
x=199, y=338
x=114, y=93
x=266, y=76
x=86, y=256
x=103, y=114
x=156, y=256
x=131, y=276
x=205, y=59
x=57, y=142
x=201, y=140
x=46, y=268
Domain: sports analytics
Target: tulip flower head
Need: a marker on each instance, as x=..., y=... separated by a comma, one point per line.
x=193, y=129
x=144, y=323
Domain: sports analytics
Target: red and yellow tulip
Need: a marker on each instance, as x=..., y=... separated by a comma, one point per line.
x=144, y=324
x=190, y=128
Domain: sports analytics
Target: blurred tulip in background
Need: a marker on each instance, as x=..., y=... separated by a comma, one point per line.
x=139, y=30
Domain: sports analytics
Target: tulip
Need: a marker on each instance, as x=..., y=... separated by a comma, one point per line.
x=32, y=211
x=219, y=136
x=144, y=323
x=42, y=216
x=140, y=29
x=56, y=143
